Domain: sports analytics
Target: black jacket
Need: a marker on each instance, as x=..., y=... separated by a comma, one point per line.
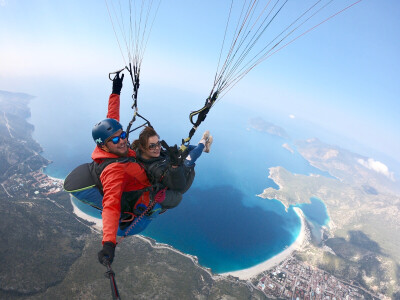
x=159, y=171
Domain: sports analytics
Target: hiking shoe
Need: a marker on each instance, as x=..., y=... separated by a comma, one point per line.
x=206, y=134
x=208, y=144
x=205, y=137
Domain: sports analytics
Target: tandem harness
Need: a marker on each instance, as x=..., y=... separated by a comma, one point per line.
x=85, y=185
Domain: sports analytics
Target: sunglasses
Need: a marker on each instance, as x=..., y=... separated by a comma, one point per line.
x=153, y=146
x=115, y=139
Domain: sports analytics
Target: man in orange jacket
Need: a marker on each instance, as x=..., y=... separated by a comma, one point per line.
x=117, y=178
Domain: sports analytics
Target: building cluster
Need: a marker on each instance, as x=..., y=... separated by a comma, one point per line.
x=31, y=185
x=293, y=279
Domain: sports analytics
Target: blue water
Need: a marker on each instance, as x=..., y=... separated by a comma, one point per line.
x=315, y=211
x=221, y=219
x=317, y=217
x=222, y=232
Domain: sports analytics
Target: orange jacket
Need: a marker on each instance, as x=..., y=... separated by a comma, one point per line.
x=117, y=178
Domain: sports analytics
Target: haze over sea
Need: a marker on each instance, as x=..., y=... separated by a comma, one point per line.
x=220, y=220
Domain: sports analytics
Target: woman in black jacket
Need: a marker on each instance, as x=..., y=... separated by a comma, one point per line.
x=159, y=166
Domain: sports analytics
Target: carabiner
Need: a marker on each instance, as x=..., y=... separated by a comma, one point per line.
x=116, y=74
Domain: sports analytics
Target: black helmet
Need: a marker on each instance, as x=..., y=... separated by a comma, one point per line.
x=104, y=129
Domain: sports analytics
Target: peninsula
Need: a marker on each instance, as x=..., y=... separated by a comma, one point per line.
x=363, y=204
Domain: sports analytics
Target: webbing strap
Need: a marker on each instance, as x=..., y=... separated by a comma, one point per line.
x=97, y=169
x=135, y=82
x=201, y=116
x=148, y=209
x=146, y=123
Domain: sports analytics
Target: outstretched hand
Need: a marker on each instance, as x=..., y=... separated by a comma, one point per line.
x=117, y=84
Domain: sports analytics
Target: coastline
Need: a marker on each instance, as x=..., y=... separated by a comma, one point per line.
x=298, y=244
x=98, y=226
x=244, y=274
x=98, y=223
x=57, y=180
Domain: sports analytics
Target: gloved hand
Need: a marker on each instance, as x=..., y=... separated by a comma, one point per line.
x=174, y=155
x=159, y=196
x=107, y=254
x=117, y=84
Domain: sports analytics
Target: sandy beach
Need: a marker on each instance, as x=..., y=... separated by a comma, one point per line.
x=246, y=274
x=98, y=223
x=58, y=180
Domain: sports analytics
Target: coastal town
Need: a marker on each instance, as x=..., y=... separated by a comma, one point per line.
x=31, y=185
x=293, y=279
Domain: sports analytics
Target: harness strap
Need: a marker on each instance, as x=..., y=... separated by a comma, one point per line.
x=128, y=220
x=201, y=116
x=136, y=212
x=148, y=209
x=135, y=82
x=146, y=123
x=96, y=169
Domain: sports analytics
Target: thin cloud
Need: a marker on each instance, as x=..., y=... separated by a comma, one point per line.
x=3, y=3
x=376, y=166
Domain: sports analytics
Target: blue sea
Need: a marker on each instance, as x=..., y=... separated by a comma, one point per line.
x=221, y=220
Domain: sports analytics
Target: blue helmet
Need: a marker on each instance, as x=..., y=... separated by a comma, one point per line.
x=105, y=129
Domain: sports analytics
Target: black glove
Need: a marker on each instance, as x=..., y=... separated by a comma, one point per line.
x=174, y=155
x=107, y=254
x=117, y=84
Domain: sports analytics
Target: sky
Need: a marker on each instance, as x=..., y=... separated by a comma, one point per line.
x=342, y=76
